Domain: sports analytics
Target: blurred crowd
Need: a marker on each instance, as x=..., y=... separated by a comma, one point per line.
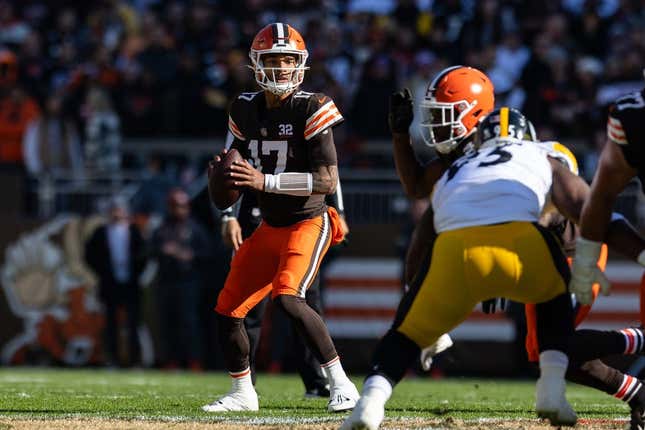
x=79, y=76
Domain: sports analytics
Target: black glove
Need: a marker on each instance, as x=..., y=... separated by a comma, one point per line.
x=400, y=115
x=490, y=306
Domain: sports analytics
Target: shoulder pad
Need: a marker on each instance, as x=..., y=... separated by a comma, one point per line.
x=322, y=113
x=562, y=153
x=235, y=115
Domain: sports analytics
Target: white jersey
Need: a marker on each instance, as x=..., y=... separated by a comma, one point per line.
x=506, y=182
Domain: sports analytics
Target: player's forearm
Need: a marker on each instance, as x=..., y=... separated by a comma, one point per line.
x=409, y=171
x=595, y=217
x=623, y=238
x=325, y=180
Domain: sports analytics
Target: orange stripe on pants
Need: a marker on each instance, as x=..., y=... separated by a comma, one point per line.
x=532, y=349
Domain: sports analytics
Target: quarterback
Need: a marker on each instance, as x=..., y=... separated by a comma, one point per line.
x=286, y=133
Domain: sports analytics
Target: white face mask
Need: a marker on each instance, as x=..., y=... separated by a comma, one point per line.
x=441, y=123
x=279, y=80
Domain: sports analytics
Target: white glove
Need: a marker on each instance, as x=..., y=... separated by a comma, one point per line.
x=444, y=342
x=585, y=271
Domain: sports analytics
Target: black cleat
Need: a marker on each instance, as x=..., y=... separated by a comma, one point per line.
x=637, y=419
x=316, y=392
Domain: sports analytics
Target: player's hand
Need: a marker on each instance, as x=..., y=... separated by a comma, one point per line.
x=343, y=225
x=242, y=174
x=216, y=159
x=585, y=272
x=427, y=354
x=232, y=233
x=490, y=306
x=400, y=115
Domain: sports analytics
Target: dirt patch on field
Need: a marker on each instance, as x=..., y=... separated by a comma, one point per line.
x=417, y=424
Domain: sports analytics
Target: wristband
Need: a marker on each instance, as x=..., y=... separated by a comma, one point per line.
x=292, y=183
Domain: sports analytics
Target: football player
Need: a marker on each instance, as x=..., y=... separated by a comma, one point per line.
x=592, y=373
x=622, y=158
x=487, y=204
x=238, y=223
x=587, y=345
x=287, y=134
x=585, y=368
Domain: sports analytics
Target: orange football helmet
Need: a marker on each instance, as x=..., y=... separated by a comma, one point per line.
x=456, y=99
x=278, y=38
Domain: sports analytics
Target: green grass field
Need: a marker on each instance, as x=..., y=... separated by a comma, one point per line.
x=30, y=397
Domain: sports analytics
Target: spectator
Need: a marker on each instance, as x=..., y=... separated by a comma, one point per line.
x=102, y=132
x=376, y=85
x=51, y=142
x=150, y=198
x=180, y=245
x=35, y=66
x=17, y=110
x=115, y=252
x=13, y=30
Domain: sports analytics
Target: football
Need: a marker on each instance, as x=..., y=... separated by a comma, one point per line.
x=220, y=190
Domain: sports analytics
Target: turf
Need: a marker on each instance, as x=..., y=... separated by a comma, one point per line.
x=53, y=394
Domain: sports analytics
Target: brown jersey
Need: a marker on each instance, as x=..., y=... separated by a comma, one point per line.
x=625, y=128
x=294, y=137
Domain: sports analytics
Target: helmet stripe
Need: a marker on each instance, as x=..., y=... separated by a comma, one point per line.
x=275, y=30
x=503, y=122
x=440, y=76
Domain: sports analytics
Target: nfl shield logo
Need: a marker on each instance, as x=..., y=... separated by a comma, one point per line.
x=263, y=132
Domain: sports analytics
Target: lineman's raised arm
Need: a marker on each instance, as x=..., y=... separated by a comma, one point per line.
x=400, y=117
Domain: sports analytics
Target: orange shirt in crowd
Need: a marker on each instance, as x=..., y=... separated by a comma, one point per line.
x=14, y=117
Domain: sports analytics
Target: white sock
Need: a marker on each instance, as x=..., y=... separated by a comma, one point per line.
x=377, y=388
x=241, y=381
x=334, y=372
x=553, y=363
